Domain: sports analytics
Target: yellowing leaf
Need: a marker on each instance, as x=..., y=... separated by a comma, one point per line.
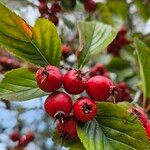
x=39, y=45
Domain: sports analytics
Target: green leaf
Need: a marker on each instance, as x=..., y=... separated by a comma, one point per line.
x=39, y=45
x=74, y=144
x=121, y=128
x=93, y=137
x=19, y=84
x=122, y=9
x=105, y=14
x=94, y=37
x=143, y=57
x=121, y=68
x=46, y=39
x=115, y=129
x=143, y=9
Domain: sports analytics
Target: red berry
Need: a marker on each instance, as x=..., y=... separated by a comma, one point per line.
x=123, y=31
x=84, y=109
x=141, y=115
x=15, y=136
x=43, y=9
x=147, y=128
x=49, y=79
x=74, y=82
x=99, y=69
x=23, y=141
x=43, y=1
x=55, y=8
x=66, y=49
x=122, y=92
x=54, y=19
x=58, y=105
x=99, y=88
x=67, y=129
x=90, y=5
x=30, y=136
x=115, y=47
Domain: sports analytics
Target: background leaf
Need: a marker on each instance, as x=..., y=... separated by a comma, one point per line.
x=143, y=55
x=40, y=46
x=94, y=37
x=105, y=14
x=121, y=68
x=121, y=11
x=19, y=84
x=143, y=9
x=114, y=129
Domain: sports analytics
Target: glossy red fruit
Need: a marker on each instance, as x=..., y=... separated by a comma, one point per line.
x=49, y=79
x=23, y=141
x=74, y=82
x=90, y=5
x=147, y=129
x=30, y=136
x=58, y=105
x=67, y=129
x=99, y=88
x=141, y=115
x=15, y=136
x=84, y=109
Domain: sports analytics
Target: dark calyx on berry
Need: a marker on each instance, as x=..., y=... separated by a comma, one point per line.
x=84, y=109
x=58, y=105
x=49, y=79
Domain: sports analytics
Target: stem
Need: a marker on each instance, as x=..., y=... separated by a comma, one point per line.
x=136, y=98
x=129, y=17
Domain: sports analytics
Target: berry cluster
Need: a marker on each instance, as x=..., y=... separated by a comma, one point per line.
x=121, y=40
x=60, y=106
x=22, y=140
x=143, y=118
x=50, y=13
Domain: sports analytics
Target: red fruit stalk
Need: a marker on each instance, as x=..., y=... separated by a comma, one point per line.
x=84, y=109
x=99, y=88
x=49, y=79
x=58, y=105
x=74, y=82
x=67, y=129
